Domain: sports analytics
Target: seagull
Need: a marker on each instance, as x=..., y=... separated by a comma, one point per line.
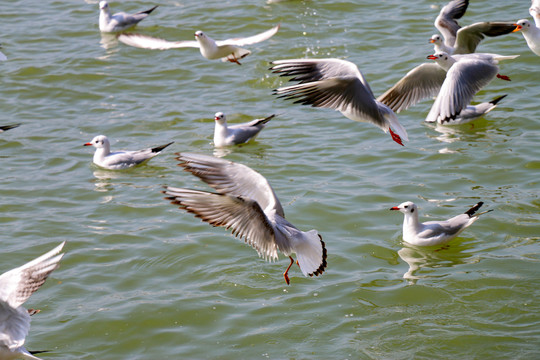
x=16, y=286
x=226, y=50
x=104, y=158
x=468, y=37
x=433, y=233
x=467, y=73
x=236, y=134
x=8, y=127
x=119, y=21
x=446, y=21
x=339, y=85
x=531, y=32
x=246, y=203
x=473, y=112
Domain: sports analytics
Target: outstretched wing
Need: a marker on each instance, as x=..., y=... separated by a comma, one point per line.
x=153, y=43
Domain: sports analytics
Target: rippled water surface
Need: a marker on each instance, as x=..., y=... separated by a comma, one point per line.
x=142, y=279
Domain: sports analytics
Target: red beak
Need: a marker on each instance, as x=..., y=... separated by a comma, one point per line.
x=87, y=144
x=431, y=41
x=431, y=57
x=394, y=208
x=216, y=118
x=518, y=27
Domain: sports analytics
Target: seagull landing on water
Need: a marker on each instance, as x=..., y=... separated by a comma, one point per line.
x=433, y=233
x=236, y=134
x=119, y=21
x=16, y=286
x=118, y=160
x=246, y=203
x=339, y=85
x=226, y=50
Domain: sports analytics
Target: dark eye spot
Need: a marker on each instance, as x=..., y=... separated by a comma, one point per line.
x=406, y=206
x=412, y=210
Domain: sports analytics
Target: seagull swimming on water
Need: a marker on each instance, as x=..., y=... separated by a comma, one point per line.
x=246, y=203
x=225, y=135
x=226, y=50
x=118, y=160
x=119, y=21
x=433, y=233
x=339, y=85
x=16, y=286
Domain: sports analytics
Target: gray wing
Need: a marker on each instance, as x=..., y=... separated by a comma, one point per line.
x=153, y=43
x=470, y=36
x=250, y=39
x=421, y=82
x=244, y=216
x=232, y=179
x=446, y=21
x=464, y=79
x=18, y=284
x=329, y=83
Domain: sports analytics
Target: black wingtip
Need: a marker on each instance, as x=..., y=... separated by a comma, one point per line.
x=160, y=148
x=9, y=127
x=497, y=99
x=149, y=10
x=474, y=209
x=321, y=268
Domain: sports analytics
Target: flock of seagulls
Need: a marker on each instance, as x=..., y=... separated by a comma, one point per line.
x=243, y=200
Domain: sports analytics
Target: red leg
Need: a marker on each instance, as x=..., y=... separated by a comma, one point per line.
x=234, y=59
x=395, y=137
x=503, y=77
x=285, y=274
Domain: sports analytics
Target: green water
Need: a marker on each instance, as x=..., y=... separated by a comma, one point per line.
x=142, y=279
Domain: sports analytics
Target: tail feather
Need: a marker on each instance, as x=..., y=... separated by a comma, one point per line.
x=160, y=148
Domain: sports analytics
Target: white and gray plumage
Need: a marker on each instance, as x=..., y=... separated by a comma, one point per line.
x=446, y=21
x=2, y=56
x=8, y=127
x=119, y=21
x=339, y=85
x=432, y=233
x=225, y=135
x=468, y=37
x=16, y=286
x=473, y=112
x=531, y=32
x=246, y=203
x=456, y=78
x=118, y=160
x=226, y=50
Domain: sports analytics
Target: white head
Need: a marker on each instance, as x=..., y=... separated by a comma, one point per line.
x=99, y=142
x=220, y=118
x=103, y=5
x=436, y=39
x=443, y=59
x=522, y=25
x=408, y=207
x=200, y=36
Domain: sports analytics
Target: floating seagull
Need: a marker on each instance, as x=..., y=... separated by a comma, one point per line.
x=467, y=72
x=16, y=286
x=8, y=127
x=246, y=203
x=236, y=134
x=446, y=21
x=530, y=32
x=226, y=50
x=339, y=85
x=120, y=159
x=433, y=233
x=468, y=37
x=119, y=21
